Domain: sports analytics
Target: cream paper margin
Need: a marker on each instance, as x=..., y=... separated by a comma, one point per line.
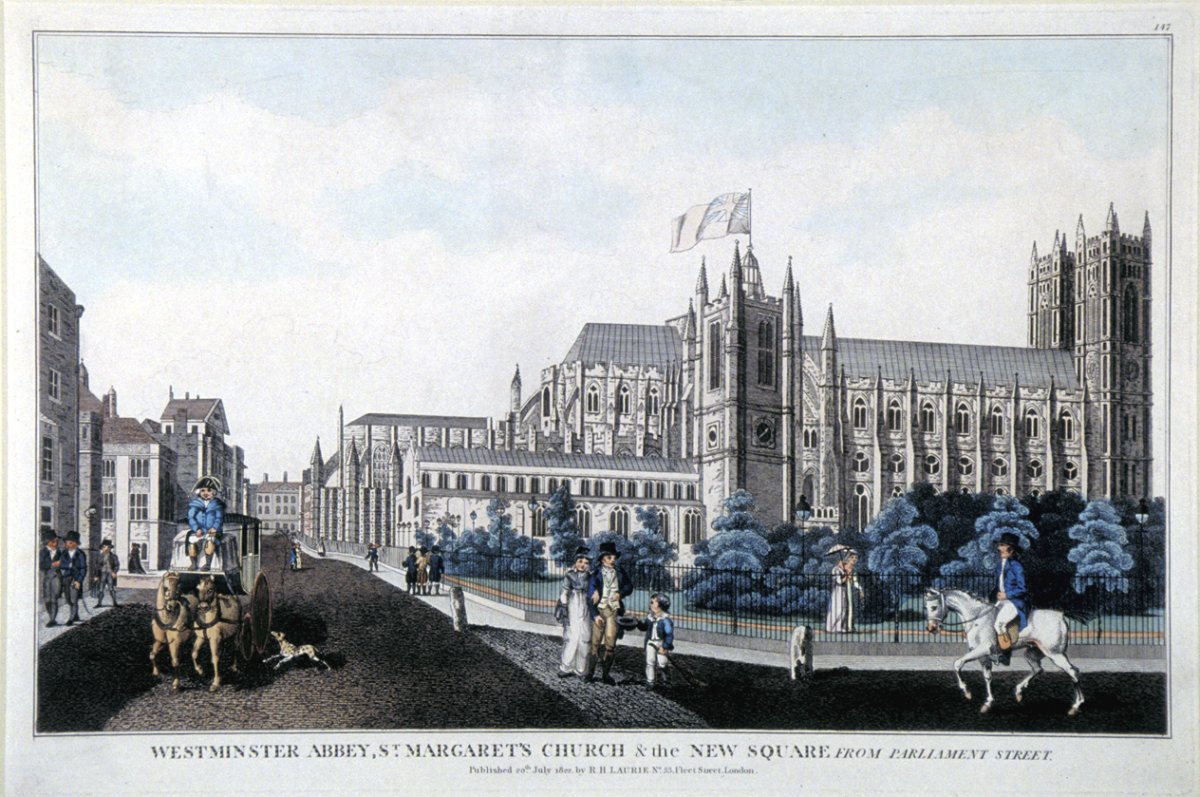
x=119, y=765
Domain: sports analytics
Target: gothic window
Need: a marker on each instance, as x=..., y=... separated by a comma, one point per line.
x=632, y=487
x=714, y=356
x=652, y=402
x=999, y=466
x=766, y=353
x=110, y=467
x=408, y=486
x=810, y=437
x=619, y=489
x=443, y=481
x=997, y=421
x=462, y=481
x=618, y=521
x=660, y=490
x=895, y=416
x=1001, y=491
x=1066, y=423
x=691, y=492
x=1070, y=471
x=897, y=464
x=897, y=491
x=110, y=506
x=933, y=465
x=593, y=398
x=551, y=485
x=623, y=400
x=860, y=413
x=566, y=483
x=664, y=525
x=647, y=490
x=966, y=466
x=598, y=488
x=535, y=484
x=862, y=506
x=539, y=522
x=501, y=484
x=519, y=484
x=677, y=492
x=1035, y=469
x=962, y=418
x=546, y=402
x=585, y=487
x=1129, y=321
x=928, y=419
x=862, y=463
x=424, y=479
x=691, y=527
x=583, y=521
x=1032, y=427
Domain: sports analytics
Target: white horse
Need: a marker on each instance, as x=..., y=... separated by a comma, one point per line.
x=1045, y=637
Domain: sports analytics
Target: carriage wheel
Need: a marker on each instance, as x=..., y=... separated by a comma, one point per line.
x=246, y=638
x=260, y=613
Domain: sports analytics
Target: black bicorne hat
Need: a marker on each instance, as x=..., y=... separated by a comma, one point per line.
x=208, y=482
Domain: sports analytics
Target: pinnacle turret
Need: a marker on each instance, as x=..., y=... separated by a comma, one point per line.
x=702, y=280
x=316, y=458
x=1111, y=224
x=829, y=336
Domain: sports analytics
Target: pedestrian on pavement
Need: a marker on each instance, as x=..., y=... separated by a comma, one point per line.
x=135, y=559
x=660, y=639
x=840, y=618
x=74, y=574
x=206, y=516
x=423, y=571
x=1012, y=597
x=410, y=570
x=50, y=566
x=437, y=566
x=294, y=557
x=572, y=613
x=106, y=573
x=607, y=589
x=372, y=557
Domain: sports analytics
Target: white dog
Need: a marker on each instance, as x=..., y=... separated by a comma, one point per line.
x=800, y=652
x=288, y=651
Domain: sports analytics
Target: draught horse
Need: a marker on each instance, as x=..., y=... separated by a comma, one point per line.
x=1045, y=637
x=171, y=624
x=217, y=618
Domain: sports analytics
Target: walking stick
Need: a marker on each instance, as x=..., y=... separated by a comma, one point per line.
x=685, y=672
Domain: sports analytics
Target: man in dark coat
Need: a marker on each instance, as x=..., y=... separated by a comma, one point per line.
x=410, y=570
x=1012, y=596
x=73, y=564
x=607, y=589
x=372, y=557
x=106, y=573
x=437, y=566
x=50, y=566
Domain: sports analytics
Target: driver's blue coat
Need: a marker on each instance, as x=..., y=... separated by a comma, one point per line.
x=1014, y=589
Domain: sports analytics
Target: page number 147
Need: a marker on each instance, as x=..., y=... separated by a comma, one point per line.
x=1162, y=27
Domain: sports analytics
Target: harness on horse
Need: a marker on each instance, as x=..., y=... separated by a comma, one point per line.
x=173, y=618
x=965, y=621
x=206, y=606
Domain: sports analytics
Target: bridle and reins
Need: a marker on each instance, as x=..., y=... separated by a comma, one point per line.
x=939, y=622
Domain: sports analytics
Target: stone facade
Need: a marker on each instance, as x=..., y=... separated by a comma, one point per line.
x=58, y=403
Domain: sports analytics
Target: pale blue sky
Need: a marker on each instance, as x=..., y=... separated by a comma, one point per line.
x=478, y=200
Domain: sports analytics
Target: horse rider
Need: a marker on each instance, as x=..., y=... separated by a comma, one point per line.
x=106, y=575
x=50, y=565
x=1012, y=596
x=206, y=514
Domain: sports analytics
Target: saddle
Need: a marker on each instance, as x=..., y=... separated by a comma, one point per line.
x=1009, y=637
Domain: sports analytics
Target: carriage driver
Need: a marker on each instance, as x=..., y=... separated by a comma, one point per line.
x=206, y=514
x=1012, y=602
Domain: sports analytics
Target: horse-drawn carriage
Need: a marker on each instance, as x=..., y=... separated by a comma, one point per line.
x=205, y=600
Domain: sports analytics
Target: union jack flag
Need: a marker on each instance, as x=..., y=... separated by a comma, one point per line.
x=726, y=215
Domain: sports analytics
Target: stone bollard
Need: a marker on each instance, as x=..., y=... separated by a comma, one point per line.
x=458, y=609
x=800, y=653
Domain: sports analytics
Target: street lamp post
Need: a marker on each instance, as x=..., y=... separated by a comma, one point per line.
x=803, y=513
x=1142, y=515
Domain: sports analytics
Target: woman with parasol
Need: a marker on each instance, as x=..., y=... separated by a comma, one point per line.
x=840, y=618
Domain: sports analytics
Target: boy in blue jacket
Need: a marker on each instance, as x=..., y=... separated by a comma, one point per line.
x=660, y=638
x=206, y=515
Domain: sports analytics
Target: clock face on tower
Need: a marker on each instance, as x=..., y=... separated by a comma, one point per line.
x=764, y=433
x=1132, y=372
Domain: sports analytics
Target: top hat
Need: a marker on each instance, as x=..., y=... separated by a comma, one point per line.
x=106, y=544
x=49, y=534
x=208, y=482
x=608, y=548
x=412, y=549
x=1010, y=539
x=424, y=549
x=583, y=552
x=626, y=623
x=73, y=536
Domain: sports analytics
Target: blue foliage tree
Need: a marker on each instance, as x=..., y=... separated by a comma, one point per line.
x=560, y=522
x=497, y=550
x=1100, y=558
x=650, y=552
x=730, y=563
x=899, y=551
x=425, y=538
x=979, y=555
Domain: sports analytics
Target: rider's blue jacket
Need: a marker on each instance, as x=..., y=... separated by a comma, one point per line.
x=1014, y=589
x=203, y=516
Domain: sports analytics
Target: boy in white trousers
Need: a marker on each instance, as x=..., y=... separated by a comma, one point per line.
x=660, y=638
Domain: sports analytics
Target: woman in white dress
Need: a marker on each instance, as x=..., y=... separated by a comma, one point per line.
x=572, y=612
x=840, y=618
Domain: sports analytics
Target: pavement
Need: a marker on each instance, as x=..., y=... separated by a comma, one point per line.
x=480, y=614
x=87, y=610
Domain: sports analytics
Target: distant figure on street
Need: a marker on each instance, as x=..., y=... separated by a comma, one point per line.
x=660, y=639
x=206, y=515
x=840, y=618
x=410, y=570
x=372, y=557
x=294, y=557
x=106, y=573
x=74, y=573
x=572, y=613
x=50, y=566
x=135, y=559
x=437, y=566
x=423, y=571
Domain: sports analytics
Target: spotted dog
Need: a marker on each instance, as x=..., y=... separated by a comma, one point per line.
x=288, y=651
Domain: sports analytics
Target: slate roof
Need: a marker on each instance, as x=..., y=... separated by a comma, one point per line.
x=539, y=460
x=125, y=430
x=87, y=400
x=627, y=344
x=930, y=361
x=387, y=419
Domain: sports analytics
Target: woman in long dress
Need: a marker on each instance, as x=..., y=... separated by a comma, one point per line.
x=840, y=618
x=572, y=612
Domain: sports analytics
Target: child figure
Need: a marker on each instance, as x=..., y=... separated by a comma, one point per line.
x=206, y=515
x=660, y=639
